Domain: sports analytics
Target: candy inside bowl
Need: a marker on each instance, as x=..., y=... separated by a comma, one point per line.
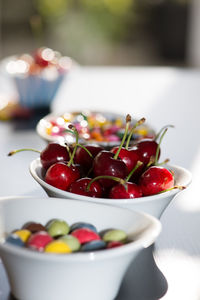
x=38, y=76
x=92, y=275
x=154, y=204
x=100, y=127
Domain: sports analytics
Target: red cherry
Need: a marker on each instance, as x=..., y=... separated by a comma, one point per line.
x=129, y=156
x=155, y=180
x=53, y=153
x=146, y=149
x=80, y=187
x=84, y=159
x=128, y=190
x=61, y=176
x=106, y=164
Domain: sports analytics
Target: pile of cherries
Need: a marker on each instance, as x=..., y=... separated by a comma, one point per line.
x=119, y=173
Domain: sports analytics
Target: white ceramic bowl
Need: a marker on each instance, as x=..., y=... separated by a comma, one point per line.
x=87, y=276
x=154, y=205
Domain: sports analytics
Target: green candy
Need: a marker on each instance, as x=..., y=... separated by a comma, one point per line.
x=71, y=241
x=115, y=235
x=57, y=227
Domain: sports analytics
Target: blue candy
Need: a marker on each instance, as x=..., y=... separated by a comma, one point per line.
x=14, y=240
x=93, y=245
x=79, y=225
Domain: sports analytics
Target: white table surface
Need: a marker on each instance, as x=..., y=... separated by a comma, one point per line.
x=163, y=96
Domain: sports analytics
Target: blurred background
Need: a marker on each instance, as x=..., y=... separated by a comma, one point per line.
x=105, y=32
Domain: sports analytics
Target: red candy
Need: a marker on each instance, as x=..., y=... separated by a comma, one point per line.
x=85, y=235
x=114, y=244
x=39, y=240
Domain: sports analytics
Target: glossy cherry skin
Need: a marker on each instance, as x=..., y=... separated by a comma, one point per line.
x=155, y=180
x=80, y=187
x=129, y=156
x=53, y=153
x=105, y=164
x=61, y=176
x=146, y=148
x=131, y=191
x=84, y=159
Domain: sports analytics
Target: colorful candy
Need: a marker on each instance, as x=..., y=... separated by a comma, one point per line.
x=39, y=240
x=58, y=247
x=85, y=235
x=58, y=237
x=92, y=127
x=23, y=234
x=71, y=241
x=114, y=235
x=57, y=228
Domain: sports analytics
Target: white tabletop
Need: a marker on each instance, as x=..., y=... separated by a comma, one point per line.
x=163, y=96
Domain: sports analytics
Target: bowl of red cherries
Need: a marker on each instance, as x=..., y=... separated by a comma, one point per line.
x=126, y=176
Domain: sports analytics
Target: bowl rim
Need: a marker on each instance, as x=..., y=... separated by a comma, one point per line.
x=36, y=163
x=149, y=236
x=40, y=128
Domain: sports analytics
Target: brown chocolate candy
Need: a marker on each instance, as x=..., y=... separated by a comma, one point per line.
x=34, y=227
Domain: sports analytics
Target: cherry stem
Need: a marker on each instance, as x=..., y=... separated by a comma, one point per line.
x=140, y=122
x=139, y=163
x=164, y=162
x=128, y=120
x=88, y=152
x=158, y=147
x=75, y=132
x=68, y=150
x=180, y=187
x=120, y=180
x=159, y=133
x=24, y=149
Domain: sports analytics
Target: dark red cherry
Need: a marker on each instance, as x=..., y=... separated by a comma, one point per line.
x=155, y=180
x=106, y=164
x=129, y=156
x=53, y=153
x=80, y=187
x=146, y=150
x=60, y=175
x=128, y=190
x=83, y=158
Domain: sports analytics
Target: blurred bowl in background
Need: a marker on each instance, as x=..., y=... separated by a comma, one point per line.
x=38, y=76
x=88, y=276
x=100, y=127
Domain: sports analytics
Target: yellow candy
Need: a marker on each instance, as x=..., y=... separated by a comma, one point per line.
x=142, y=131
x=58, y=247
x=119, y=122
x=23, y=234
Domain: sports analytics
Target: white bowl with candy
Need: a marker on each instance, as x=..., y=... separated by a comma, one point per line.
x=37, y=76
x=49, y=272
x=100, y=127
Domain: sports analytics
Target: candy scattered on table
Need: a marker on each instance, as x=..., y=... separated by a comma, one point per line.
x=58, y=237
